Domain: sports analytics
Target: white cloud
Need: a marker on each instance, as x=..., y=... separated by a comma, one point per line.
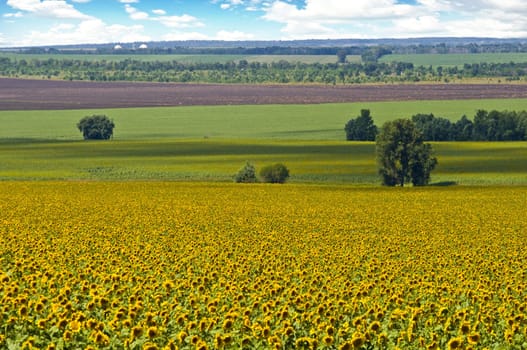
x=81, y=1
x=89, y=31
x=13, y=15
x=419, y=26
x=337, y=11
x=135, y=14
x=129, y=1
x=389, y=18
x=48, y=8
x=183, y=21
x=250, y=5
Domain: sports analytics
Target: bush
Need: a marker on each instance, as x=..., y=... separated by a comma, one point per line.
x=96, y=127
x=247, y=174
x=276, y=173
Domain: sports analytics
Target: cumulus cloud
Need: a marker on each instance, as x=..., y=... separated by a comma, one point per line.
x=48, y=8
x=129, y=1
x=391, y=18
x=135, y=14
x=250, y=5
x=336, y=10
x=13, y=15
x=88, y=31
x=183, y=21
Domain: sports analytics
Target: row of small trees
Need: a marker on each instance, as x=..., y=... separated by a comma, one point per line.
x=276, y=173
x=487, y=126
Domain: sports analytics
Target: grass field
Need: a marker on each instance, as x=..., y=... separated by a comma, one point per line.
x=450, y=60
x=285, y=122
x=467, y=163
x=185, y=58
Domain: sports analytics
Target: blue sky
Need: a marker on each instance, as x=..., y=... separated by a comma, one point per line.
x=55, y=22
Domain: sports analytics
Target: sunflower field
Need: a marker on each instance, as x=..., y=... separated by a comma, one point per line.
x=158, y=265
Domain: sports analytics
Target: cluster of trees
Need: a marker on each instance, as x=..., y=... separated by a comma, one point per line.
x=486, y=126
x=252, y=72
x=275, y=173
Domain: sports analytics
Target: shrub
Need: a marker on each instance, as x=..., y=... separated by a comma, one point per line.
x=96, y=127
x=247, y=174
x=276, y=173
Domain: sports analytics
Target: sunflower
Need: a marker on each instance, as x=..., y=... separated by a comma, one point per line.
x=328, y=340
x=67, y=336
x=375, y=326
x=201, y=345
x=75, y=326
x=218, y=341
x=41, y=324
x=182, y=336
x=474, y=338
x=152, y=332
x=358, y=340
x=62, y=323
x=149, y=346
x=101, y=338
x=455, y=343
x=464, y=328
x=137, y=332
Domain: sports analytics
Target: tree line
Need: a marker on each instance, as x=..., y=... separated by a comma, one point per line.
x=243, y=71
x=485, y=126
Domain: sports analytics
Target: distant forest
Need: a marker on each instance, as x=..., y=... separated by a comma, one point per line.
x=281, y=72
x=370, y=70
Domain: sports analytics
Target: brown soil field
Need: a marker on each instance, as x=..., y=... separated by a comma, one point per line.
x=22, y=94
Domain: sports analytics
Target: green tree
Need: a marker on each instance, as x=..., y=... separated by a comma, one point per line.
x=96, y=127
x=361, y=128
x=341, y=56
x=276, y=173
x=247, y=174
x=402, y=156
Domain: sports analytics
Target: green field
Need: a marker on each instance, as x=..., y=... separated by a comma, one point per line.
x=184, y=58
x=451, y=60
x=277, y=122
x=470, y=163
x=210, y=143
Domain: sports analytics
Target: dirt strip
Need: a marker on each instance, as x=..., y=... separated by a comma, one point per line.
x=22, y=94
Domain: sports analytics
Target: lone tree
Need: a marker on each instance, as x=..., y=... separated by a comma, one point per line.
x=276, y=173
x=96, y=127
x=247, y=174
x=361, y=128
x=402, y=156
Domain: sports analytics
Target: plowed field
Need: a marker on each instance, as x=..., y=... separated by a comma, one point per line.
x=18, y=94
